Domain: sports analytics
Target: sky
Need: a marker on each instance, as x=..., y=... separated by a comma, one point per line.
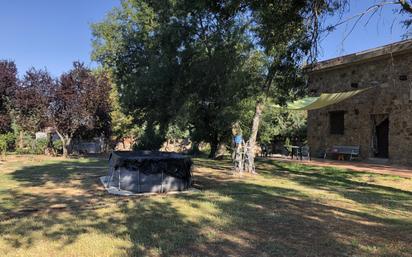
x=382, y=28
x=51, y=34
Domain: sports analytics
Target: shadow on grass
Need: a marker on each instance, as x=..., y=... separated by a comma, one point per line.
x=231, y=217
x=61, y=172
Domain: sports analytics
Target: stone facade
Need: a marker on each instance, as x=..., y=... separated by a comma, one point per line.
x=388, y=71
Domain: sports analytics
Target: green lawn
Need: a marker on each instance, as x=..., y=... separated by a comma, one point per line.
x=55, y=207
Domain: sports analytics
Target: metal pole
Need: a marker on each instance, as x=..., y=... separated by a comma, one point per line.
x=138, y=181
x=119, y=178
x=161, y=185
x=110, y=178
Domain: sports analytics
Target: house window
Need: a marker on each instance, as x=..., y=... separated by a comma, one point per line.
x=337, y=122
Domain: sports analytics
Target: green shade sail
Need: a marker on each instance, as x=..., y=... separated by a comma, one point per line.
x=313, y=103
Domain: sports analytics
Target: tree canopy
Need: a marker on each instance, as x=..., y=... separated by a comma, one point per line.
x=80, y=103
x=32, y=100
x=173, y=58
x=200, y=61
x=8, y=84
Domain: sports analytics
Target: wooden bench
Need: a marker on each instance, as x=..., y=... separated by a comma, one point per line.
x=341, y=151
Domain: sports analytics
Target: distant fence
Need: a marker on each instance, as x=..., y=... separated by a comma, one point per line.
x=95, y=146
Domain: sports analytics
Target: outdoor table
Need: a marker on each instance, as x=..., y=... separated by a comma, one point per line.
x=296, y=151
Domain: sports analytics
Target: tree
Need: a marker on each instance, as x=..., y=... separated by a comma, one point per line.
x=6, y=140
x=100, y=110
x=321, y=9
x=188, y=57
x=287, y=32
x=290, y=34
x=31, y=101
x=217, y=76
x=76, y=104
x=171, y=58
x=145, y=69
x=280, y=125
x=283, y=35
x=123, y=125
x=8, y=83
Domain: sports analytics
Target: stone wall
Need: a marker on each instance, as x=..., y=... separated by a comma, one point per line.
x=389, y=95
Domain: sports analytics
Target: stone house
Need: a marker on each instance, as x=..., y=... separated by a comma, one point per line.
x=378, y=120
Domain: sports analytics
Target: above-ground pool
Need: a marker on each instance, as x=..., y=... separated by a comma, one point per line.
x=148, y=172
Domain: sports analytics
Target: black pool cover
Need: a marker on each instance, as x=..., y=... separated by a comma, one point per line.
x=147, y=171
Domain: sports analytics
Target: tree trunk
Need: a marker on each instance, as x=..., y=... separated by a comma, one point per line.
x=65, y=150
x=213, y=150
x=49, y=140
x=50, y=151
x=406, y=6
x=253, y=135
x=260, y=104
x=195, y=149
x=66, y=146
x=21, y=139
x=221, y=150
x=66, y=141
x=123, y=144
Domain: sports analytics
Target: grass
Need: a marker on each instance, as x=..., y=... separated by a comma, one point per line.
x=56, y=207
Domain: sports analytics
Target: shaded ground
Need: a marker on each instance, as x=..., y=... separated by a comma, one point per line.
x=55, y=207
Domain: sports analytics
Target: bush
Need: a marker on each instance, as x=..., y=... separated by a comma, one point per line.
x=58, y=146
x=3, y=145
x=151, y=139
x=7, y=142
x=40, y=146
x=24, y=151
